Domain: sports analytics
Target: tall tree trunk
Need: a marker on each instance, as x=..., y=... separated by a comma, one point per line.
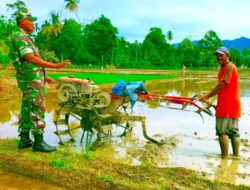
x=77, y=17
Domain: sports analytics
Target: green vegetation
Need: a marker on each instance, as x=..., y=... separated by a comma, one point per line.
x=68, y=169
x=104, y=78
x=104, y=178
x=58, y=164
x=146, y=166
x=97, y=44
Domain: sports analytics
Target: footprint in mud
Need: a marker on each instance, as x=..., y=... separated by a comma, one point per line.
x=152, y=153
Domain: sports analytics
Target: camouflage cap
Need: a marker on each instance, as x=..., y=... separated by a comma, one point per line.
x=24, y=14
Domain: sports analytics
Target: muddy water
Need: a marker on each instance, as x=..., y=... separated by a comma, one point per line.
x=189, y=140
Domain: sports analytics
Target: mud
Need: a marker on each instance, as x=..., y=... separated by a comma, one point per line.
x=69, y=170
x=188, y=141
x=11, y=181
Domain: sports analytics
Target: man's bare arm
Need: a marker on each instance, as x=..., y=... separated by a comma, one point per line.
x=215, y=91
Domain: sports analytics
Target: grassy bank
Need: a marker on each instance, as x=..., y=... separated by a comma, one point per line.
x=72, y=170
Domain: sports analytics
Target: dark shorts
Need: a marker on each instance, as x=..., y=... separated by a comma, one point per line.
x=227, y=126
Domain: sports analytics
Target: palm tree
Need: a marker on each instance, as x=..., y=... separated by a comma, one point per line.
x=17, y=6
x=54, y=27
x=169, y=35
x=169, y=38
x=72, y=6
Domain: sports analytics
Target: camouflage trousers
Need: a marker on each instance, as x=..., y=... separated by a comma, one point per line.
x=33, y=109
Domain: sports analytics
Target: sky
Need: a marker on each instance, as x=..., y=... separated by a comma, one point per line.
x=134, y=18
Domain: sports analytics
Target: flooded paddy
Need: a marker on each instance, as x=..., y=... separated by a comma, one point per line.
x=189, y=140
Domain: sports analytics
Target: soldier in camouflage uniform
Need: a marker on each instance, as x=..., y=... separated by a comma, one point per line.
x=31, y=78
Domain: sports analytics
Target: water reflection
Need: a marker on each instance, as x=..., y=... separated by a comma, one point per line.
x=8, y=108
x=189, y=142
x=227, y=170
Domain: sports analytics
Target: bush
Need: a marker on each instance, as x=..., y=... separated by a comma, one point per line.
x=4, y=60
x=49, y=56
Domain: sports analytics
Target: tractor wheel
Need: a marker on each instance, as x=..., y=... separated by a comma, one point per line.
x=66, y=91
x=101, y=100
x=66, y=121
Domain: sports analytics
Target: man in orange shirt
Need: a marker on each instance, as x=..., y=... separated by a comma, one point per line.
x=228, y=109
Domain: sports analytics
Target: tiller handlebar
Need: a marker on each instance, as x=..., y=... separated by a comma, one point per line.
x=184, y=101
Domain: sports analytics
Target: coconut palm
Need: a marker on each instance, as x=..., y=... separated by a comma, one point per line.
x=17, y=6
x=72, y=6
x=169, y=38
x=54, y=27
x=169, y=35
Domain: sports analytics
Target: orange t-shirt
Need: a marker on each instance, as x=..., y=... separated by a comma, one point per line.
x=228, y=104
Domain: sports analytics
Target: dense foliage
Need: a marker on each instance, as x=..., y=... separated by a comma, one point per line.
x=98, y=44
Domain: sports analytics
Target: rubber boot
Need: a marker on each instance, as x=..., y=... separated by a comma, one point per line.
x=40, y=146
x=223, y=140
x=25, y=141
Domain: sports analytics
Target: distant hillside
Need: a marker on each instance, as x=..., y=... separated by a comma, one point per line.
x=238, y=43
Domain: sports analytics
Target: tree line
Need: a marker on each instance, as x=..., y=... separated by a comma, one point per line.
x=97, y=44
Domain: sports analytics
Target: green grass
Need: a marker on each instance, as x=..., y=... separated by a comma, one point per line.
x=104, y=78
x=58, y=164
x=67, y=168
x=104, y=178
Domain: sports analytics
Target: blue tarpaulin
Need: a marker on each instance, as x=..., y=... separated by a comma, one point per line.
x=128, y=89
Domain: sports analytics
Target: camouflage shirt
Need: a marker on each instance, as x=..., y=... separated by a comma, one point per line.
x=26, y=72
